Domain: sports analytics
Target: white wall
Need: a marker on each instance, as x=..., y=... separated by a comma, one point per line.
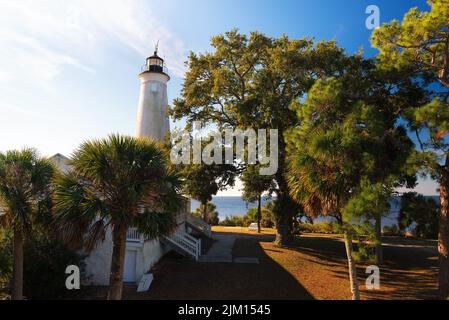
x=98, y=263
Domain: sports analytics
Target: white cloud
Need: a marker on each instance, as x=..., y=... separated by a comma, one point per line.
x=18, y=109
x=44, y=37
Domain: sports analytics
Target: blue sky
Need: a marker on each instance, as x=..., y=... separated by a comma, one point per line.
x=68, y=69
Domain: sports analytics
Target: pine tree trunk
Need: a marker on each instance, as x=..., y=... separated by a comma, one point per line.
x=203, y=207
x=378, y=234
x=17, y=287
x=117, y=263
x=352, y=268
x=259, y=212
x=443, y=233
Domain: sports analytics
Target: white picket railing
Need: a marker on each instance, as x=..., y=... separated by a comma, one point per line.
x=133, y=236
x=197, y=242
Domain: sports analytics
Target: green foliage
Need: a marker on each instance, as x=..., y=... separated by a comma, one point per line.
x=24, y=188
x=208, y=212
x=419, y=213
x=202, y=181
x=348, y=153
x=364, y=252
x=118, y=181
x=267, y=220
x=326, y=227
x=6, y=264
x=435, y=114
x=347, y=145
x=417, y=47
x=366, y=241
x=369, y=202
x=255, y=184
x=392, y=230
x=417, y=44
x=250, y=82
x=234, y=221
x=46, y=259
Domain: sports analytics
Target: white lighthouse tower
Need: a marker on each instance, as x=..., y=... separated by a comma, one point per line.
x=152, y=114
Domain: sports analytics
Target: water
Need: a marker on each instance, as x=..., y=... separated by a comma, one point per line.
x=235, y=206
x=229, y=206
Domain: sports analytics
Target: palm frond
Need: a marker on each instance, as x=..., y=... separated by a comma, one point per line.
x=76, y=207
x=25, y=183
x=112, y=179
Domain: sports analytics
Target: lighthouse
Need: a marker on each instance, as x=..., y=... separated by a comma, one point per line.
x=152, y=114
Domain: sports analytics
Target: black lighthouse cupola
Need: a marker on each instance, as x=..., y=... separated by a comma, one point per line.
x=155, y=63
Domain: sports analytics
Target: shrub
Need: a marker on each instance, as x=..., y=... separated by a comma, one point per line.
x=5, y=257
x=45, y=261
x=318, y=227
x=420, y=214
x=392, y=230
x=266, y=220
x=233, y=221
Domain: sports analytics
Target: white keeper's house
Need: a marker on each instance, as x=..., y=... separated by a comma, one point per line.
x=141, y=253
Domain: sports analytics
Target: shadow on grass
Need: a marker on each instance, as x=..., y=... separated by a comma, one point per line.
x=178, y=278
x=407, y=272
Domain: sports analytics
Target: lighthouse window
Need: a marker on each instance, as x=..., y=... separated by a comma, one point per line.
x=155, y=62
x=153, y=87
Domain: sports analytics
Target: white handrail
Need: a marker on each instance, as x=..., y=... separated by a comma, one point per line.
x=197, y=243
x=189, y=237
x=186, y=242
x=179, y=238
x=200, y=224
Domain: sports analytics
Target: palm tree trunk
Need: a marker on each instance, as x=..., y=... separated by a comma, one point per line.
x=378, y=235
x=352, y=268
x=17, y=287
x=443, y=233
x=259, y=212
x=117, y=263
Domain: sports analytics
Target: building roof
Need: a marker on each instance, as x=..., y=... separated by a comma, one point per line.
x=60, y=161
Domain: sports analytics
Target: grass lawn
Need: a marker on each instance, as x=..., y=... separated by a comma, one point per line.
x=314, y=267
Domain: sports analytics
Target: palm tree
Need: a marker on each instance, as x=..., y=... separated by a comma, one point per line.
x=24, y=192
x=116, y=183
x=315, y=185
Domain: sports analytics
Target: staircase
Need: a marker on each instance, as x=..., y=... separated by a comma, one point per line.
x=184, y=244
x=180, y=241
x=198, y=224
